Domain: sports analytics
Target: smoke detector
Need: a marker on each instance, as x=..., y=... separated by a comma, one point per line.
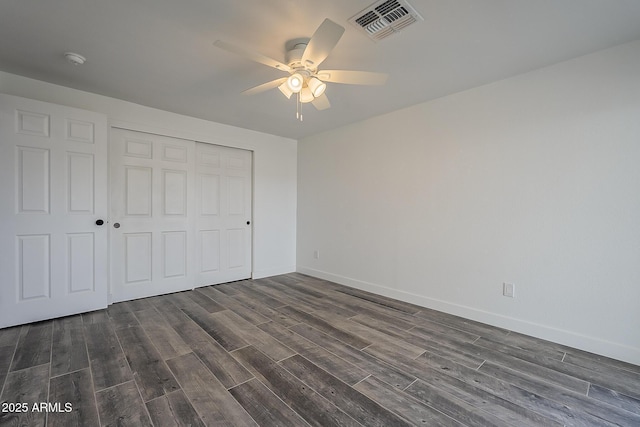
x=75, y=58
x=385, y=18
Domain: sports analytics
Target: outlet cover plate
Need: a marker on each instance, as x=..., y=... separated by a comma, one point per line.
x=508, y=290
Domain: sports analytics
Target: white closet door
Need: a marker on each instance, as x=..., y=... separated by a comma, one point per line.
x=152, y=206
x=223, y=222
x=53, y=189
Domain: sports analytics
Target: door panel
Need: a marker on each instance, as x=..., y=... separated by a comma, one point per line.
x=137, y=257
x=235, y=196
x=174, y=244
x=53, y=183
x=183, y=209
x=175, y=192
x=209, y=194
x=210, y=255
x=153, y=200
x=138, y=191
x=81, y=191
x=34, y=266
x=235, y=240
x=33, y=180
x=224, y=182
x=81, y=262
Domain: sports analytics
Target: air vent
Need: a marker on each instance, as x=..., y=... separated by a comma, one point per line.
x=384, y=18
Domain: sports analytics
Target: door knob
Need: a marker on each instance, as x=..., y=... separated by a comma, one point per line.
x=116, y=225
x=248, y=222
x=99, y=222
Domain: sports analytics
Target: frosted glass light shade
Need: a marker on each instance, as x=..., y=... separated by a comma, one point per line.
x=306, y=95
x=295, y=82
x=317, y=87
x=284, y=88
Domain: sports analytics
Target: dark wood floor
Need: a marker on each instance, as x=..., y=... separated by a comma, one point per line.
x=294, y=350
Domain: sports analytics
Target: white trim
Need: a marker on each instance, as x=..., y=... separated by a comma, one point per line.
x=560, y=336
x=274, y=272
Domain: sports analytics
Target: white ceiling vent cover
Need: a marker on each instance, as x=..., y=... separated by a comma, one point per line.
x=385, y=18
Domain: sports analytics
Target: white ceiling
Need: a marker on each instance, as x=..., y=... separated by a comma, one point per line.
x=160, y=53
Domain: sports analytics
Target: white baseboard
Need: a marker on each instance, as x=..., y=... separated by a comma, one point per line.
x=582, y=342
x=259, y=274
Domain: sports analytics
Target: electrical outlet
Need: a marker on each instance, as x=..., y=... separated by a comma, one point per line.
x=316, y=254
x=508, y=290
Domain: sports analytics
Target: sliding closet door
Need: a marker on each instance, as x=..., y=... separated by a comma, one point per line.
x=180, y=214
x=53, y=209
x=152, y=214
x=223, y=214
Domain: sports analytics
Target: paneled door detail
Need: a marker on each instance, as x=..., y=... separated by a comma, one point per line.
x=53, y=188
x=180, y=214
x=152, y=214
x=223, y=214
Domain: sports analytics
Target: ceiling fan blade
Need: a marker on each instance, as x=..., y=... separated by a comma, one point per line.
x=254, y=56
x=321, y=102
x=322, y=43
x=352, y=77
x=265, y=86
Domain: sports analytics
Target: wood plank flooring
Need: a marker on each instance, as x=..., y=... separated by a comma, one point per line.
x=293, y=350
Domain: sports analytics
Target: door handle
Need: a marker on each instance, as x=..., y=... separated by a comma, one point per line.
x=248, y=222
x=99, y=222
x=116, y=225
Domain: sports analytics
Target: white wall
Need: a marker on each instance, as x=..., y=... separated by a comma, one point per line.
x=533, y=180
x=274, y=205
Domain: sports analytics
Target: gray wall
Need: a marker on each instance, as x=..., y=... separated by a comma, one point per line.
x=533, y=180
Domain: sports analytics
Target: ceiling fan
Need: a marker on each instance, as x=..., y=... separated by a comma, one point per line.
x=302, y=60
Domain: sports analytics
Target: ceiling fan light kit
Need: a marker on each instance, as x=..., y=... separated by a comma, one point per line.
x=317, y=87
x=284, y=88
x=295, y=82
x=303, y=58
x=306, y=95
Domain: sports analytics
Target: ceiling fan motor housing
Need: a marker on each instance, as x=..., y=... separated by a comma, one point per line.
x=294, y=56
